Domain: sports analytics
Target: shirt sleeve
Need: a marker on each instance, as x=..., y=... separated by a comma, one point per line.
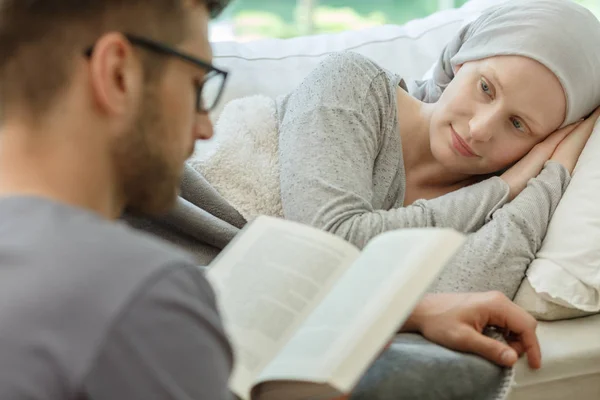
x=168, y=344
x=332, y=129
x=496, y=257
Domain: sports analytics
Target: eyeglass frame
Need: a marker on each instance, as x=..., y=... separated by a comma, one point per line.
x=170, y=51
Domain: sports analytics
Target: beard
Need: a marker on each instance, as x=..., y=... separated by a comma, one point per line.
x=149, y=177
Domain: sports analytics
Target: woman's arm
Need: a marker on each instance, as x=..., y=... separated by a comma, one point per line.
x=336, y=129
x=497, y=256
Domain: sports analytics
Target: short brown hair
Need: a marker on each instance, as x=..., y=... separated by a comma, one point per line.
x=40, y=38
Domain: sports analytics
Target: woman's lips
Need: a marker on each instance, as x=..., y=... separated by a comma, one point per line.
x=460, y=146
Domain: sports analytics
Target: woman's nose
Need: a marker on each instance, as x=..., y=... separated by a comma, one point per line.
x=482, y=125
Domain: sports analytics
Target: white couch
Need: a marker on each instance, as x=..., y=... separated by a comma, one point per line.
x=571, y=349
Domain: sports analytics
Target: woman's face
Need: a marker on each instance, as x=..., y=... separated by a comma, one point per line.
x=493, y=112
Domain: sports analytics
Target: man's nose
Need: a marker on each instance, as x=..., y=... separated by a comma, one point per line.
x=203, y=128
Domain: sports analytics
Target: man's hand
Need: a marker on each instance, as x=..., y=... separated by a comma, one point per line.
x=456, y=321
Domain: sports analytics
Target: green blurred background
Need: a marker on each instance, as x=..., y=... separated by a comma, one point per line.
x=246, y=20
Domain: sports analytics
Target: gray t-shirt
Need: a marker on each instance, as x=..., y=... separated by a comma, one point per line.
x=91, y=309
x=342, y=170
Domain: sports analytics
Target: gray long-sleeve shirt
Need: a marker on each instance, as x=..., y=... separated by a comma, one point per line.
x=92, y=310
x=342, y=170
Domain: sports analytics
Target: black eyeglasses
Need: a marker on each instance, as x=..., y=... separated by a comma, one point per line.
x=208, y=92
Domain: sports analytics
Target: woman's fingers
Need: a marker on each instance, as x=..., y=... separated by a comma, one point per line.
x=568, y=151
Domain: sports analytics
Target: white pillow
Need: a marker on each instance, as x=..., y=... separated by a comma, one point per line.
x=566, y=270
x=542, y=309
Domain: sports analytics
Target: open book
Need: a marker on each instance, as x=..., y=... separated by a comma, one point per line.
x=308, y=313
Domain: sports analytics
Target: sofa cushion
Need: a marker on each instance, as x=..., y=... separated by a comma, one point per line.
x=275, y=66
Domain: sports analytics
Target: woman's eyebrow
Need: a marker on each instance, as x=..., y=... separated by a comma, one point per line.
x=495, y=81
x=533, y=125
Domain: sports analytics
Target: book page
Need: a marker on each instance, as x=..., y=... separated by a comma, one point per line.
x=267, y=282
x=365, y=309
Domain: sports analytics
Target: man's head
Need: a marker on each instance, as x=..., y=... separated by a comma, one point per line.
x=104, y=71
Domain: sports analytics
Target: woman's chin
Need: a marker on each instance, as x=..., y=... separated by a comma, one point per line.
x=457, y=166
x=450, y=161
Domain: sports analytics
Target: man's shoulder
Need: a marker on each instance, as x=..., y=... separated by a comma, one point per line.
x=70, y=274
x=133, y=244
x=117, y=242
x=77, y=263
x=50, y=239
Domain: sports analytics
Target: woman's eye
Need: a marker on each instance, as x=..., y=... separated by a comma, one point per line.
x=518, y=124
x=485, y=87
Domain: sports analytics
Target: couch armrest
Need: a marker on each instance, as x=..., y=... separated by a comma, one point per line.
x=570, y=351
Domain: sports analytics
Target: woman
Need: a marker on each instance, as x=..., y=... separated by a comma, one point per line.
x=359, y=155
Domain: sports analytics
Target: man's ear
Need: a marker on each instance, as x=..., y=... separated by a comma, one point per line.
x=115, y=74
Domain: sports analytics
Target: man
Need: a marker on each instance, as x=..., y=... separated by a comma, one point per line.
x=102, y=101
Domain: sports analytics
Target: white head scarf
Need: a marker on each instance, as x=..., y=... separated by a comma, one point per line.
x=559, y=34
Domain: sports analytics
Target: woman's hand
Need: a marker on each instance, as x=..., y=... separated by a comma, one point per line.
x=531, y=165
x=568, y=151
